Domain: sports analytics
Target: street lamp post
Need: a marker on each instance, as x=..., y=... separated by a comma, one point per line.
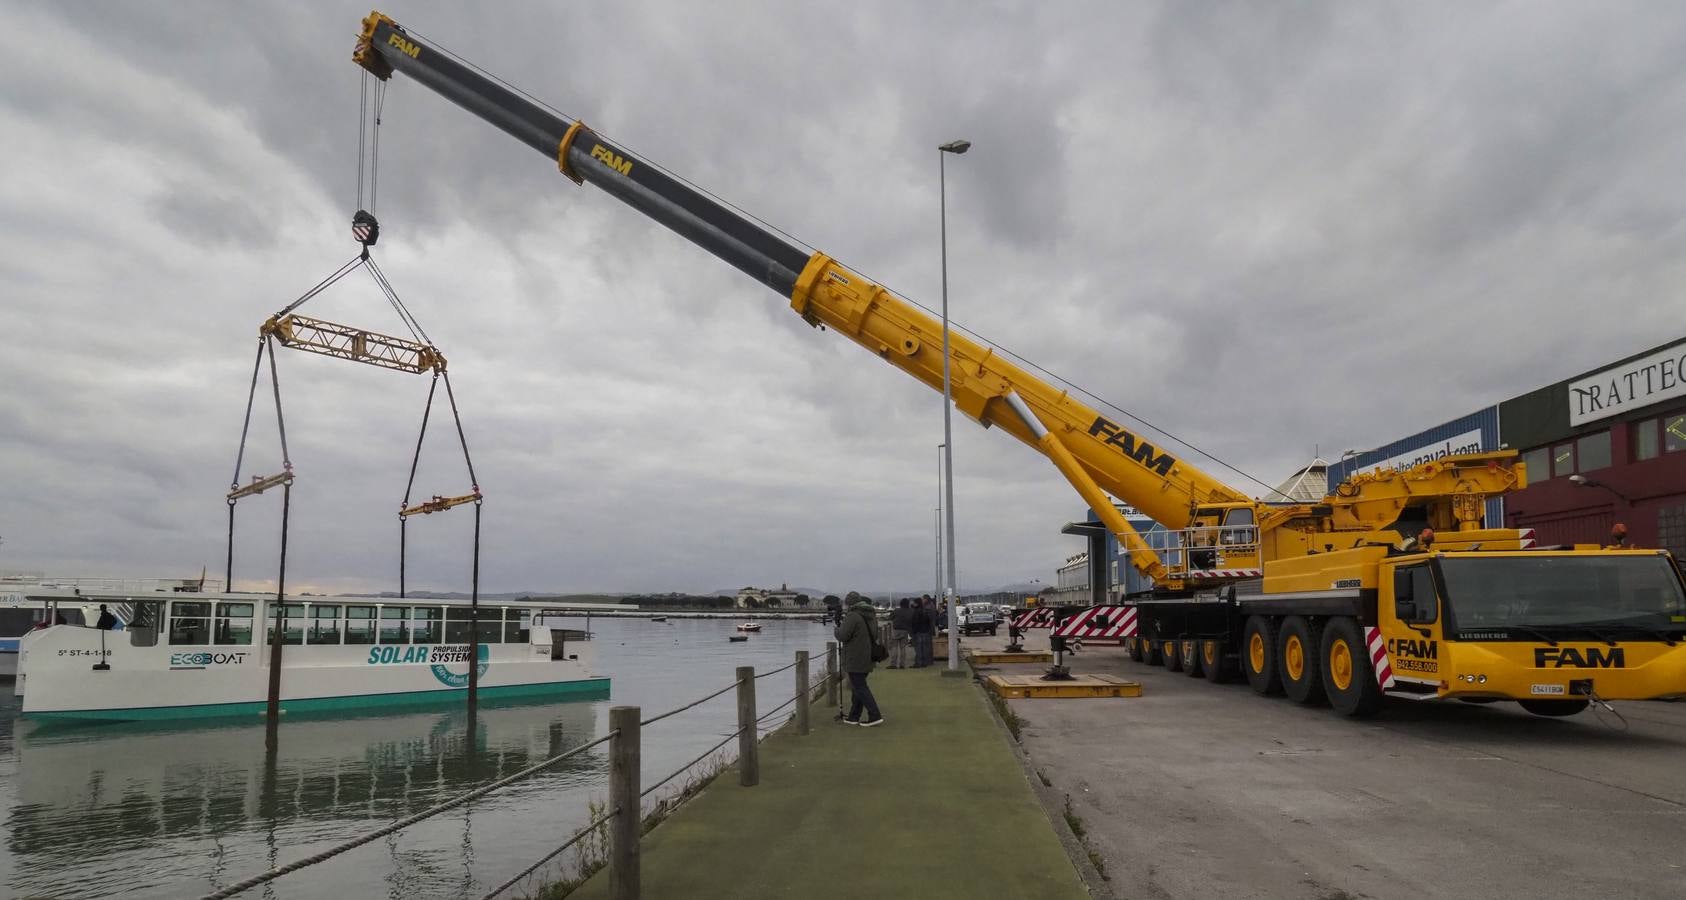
x=955, y=147
x=939, y=589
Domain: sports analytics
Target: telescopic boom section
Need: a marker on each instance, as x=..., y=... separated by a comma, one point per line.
x=1095, y=454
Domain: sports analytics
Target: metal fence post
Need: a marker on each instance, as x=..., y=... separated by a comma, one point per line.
x=803, y=698
x=624, y=827
x=749, y=767
x=831, y=673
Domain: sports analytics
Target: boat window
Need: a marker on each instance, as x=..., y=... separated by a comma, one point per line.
x=190, y=622
x=324, y=625
x=456, y=624
x=143, y=625
x=516, y=624
x=395, y=627
x=491, y=626
x=17, y=621
x=292, y=625
x=360, y=624
x=234, y=623
x=428, y=628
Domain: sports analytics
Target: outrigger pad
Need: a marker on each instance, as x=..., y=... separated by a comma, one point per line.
x=365, y=228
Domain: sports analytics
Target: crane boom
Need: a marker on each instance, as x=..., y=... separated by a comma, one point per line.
x=1093, y=452
x=1219, y=533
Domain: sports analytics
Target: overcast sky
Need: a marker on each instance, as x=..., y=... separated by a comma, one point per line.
x=1273, y=228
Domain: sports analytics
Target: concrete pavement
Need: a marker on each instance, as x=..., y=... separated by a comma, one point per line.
x=1198, y=790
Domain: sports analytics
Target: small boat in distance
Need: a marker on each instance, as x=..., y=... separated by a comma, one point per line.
x=658, y=618
x=737, y=637
x=749, y=626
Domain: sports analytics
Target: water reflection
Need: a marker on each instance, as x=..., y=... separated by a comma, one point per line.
x=112, y=791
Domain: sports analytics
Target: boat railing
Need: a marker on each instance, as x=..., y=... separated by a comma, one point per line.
x=618, y=827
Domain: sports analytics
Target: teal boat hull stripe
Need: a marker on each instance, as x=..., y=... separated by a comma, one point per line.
x=584, y=689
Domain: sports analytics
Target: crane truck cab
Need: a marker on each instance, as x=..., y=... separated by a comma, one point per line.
x=1552, y=630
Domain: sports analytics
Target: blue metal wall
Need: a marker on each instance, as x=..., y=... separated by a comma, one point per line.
x=1428, y=443
x=1118, y=569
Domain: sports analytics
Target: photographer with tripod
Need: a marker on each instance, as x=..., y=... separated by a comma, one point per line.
x=861, y=648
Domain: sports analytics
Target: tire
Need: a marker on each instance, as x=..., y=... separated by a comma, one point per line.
x=993, y=630
x=1553, y=708
x=1189, y=651
x=1349, y=680
x=1258, y=656
x=1134, y=647
x=1213, y=663
x=1151, y=653
x=1300, y=660
x=1173, y=653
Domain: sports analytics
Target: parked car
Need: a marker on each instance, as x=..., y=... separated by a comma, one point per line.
x=977, y=618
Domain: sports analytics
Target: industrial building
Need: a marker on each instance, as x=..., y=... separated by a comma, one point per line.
x=1603, y=447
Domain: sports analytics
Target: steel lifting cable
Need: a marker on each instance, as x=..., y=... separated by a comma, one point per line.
x=266, y=347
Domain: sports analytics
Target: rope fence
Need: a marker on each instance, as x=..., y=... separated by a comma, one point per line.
x=625, y=738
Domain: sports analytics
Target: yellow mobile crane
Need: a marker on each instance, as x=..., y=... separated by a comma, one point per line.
x=1342, y=599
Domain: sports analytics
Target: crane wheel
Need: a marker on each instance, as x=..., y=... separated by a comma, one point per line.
x=1190, y=653
x=1300, y=660
x=1150, y=652
x=1258, y=656
x=1213, y=663
x=1553, y=708
x=1349, y=679
x=1173, y=652
x=1133, y=645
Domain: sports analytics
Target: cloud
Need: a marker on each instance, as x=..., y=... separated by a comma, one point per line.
x=1267, y=229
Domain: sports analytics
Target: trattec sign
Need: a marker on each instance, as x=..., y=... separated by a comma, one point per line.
x=1644, y=381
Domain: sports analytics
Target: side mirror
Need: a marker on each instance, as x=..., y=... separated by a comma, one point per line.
x=1405, y=610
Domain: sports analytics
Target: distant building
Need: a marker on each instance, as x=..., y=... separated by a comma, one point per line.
x=754, y=597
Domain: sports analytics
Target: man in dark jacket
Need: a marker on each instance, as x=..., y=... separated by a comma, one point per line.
x=901, y=634
x=857, y=633
x=922, y=625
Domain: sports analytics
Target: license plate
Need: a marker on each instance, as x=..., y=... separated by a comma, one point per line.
x=1551, y=689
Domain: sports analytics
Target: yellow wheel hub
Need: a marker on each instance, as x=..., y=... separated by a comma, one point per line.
x=1340, y=664
x=1293, y=654
x=1256, y=652
x=1209, y=652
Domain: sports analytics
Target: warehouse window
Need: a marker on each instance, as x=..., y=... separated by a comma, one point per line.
x=1592, y=451
x=1645, y=439
x=1562, y=460
x=1674, y=432
x=1539, y=464
x=1671, y=530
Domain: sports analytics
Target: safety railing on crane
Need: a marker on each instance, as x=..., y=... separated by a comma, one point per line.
x=624, y=815
x=1214, y=552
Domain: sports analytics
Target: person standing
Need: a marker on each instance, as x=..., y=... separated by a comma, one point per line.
x=901, y=634
x=857, y=634
x=107, y=621
x=922, y=624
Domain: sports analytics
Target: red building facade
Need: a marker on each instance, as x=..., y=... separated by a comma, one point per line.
x=1605, y=447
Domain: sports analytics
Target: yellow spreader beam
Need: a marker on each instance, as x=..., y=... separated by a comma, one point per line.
x=437, y=504
x=355, y=344
x=1014, y=687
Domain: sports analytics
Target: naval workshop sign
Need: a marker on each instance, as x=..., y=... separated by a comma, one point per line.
x=1642, y=382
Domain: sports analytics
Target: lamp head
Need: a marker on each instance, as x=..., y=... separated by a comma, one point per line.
x=955, y=147
x=1580, y=480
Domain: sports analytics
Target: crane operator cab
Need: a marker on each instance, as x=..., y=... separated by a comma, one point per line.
x=1220, y=538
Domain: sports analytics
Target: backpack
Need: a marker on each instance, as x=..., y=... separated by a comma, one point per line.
x=879, y=651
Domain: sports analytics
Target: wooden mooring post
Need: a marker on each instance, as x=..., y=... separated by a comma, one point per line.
x=749, y=765
x=804, y=699
x=626, y=824
x=831, y=673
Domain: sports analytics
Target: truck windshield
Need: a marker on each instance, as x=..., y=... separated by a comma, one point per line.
x=1551, y=592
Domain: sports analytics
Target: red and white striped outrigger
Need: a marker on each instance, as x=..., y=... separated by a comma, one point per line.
x=1088, y=622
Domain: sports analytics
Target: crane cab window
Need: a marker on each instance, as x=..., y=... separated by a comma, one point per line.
x=1416, y=586
x=1238, y=527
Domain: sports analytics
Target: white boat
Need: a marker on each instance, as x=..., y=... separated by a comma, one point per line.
x=22, y=608
x=202, y=655
x=749, y=626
